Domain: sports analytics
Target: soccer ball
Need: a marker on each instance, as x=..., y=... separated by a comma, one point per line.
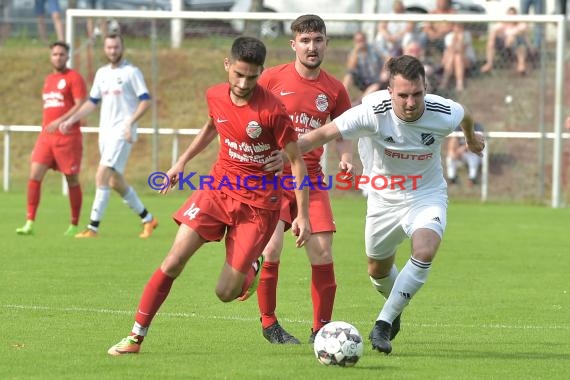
x=338, y=343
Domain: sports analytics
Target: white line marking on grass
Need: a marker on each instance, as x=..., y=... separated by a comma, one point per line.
x=254, y=319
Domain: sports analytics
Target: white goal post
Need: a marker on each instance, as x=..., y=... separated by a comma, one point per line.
x=557, y=20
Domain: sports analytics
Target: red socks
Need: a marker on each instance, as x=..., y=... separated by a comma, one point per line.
x=267, y=293
x=154, y=294
x=75, y=200
x=323, y=290
x=34, y=192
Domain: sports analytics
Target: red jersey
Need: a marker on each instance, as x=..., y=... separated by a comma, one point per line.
x=59, y=94
x=248, y=135
x=310, y=103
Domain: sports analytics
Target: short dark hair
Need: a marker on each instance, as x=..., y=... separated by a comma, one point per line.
x=113, y=36
x=249, y=49
x=307, y=24
x=407, y=66
x=62, y=44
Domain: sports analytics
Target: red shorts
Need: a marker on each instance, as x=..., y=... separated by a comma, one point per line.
x=320, y=211
x=212, y=214
x=59, y=152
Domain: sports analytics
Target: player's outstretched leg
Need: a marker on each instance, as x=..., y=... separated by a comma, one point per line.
x=128, y=345
x=380, y=337
x=276, y=334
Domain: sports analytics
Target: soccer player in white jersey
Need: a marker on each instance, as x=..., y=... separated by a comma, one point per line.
x=124, y=97
x=407, y=193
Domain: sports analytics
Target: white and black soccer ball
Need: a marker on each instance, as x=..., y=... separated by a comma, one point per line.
x=338, y=343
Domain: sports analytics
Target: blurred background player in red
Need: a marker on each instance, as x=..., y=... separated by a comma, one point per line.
x=311, y=97
x=63, y=93
x=244, y=115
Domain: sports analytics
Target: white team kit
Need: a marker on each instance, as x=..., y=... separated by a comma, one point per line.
x=119, y=90
x=402, y=161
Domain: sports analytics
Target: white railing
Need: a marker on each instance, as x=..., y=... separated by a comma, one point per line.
x=175, y=133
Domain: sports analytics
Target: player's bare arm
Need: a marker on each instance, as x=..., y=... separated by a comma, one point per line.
x=85, y=109
x=318, y=137
x=475, y=141
x=206, y=135
x=54, y=125
x=142, y=107
x=301, y=226
x=345, y=153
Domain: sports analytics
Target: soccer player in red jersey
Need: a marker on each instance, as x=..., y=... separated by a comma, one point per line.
x=244, y=201
x=311, y=97
x=63, y=93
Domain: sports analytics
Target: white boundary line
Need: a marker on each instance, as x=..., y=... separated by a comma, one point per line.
x=74, y=309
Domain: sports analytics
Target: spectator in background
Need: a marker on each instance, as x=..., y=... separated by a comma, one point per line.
x=508, y=35
x=363, y=67
x=435, y=32
x=458, y=154
x=5, y=6
x=538, y=8
x=390, y=33
x=458, y=56
x=55, y=11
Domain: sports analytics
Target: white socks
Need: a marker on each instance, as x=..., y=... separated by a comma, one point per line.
x=407, y=284
x=102, y=195
x=384, y=285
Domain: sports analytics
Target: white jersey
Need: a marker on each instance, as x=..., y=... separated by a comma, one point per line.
x=401, y=159
x=119, y=90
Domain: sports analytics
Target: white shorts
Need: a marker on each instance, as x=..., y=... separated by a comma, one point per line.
x=115, y=153
x=388, y=225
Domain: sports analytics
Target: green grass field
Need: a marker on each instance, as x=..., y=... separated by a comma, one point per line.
x=496, y=305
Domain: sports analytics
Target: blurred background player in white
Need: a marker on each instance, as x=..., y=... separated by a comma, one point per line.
x=124, y=97
x=63, y=93
x=405, y=128
x=311, y=96
x=458, y=155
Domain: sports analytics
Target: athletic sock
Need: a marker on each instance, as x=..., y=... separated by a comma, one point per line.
x=407, y=284
x=131, y=199
x=75, y=201
x=384, y=285
x=323, y=291
x=267, y=293
x=154, y=294
x=34, y=192
x=102, y=195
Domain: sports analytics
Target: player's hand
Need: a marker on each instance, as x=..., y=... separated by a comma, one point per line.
x=53, y=126
x=347, y=169
x=567, y=124
x=128, y=133
x=65, y=126
x=275, y=163
x=476, y=144
x=173, y=175
x=301, y=228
